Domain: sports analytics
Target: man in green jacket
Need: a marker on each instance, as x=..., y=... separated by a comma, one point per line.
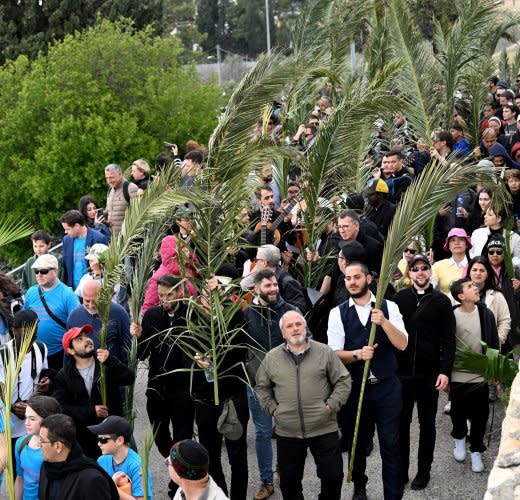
x=310, y=372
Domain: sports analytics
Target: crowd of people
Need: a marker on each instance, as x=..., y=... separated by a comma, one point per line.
x=303, y=350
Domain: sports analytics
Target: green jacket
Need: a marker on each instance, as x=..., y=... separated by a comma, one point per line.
x=295, y=389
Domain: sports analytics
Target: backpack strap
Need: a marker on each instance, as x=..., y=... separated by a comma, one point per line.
x=23, y=443
x=49, y=311
x=126, y=193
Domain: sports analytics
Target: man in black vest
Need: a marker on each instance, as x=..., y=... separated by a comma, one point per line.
x=348, y=334
x=425, y=365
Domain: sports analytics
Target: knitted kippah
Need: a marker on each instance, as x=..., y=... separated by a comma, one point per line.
x=189, y=459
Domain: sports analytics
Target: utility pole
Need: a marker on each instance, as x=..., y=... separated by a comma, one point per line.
x=218, y=65
x=267, y=26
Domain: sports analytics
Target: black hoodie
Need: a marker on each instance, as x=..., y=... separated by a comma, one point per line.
x=78, y=478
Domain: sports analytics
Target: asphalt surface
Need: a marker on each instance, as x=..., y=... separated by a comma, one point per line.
x=450, y=480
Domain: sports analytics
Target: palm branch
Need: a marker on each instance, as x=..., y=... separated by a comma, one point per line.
x=334, y=159
x=13, y=229
x=12, y=366
x=153, y=206
x=489, y=364
x=460, y=44
x=146, y=448
x=418, y=67
x=422, y=200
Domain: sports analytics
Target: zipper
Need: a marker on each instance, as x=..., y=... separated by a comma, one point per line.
x=299, y=398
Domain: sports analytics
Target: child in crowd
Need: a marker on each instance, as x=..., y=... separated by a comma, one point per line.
x=41, y=242
x=469, y=392
x=120, y=462
x=27, y=449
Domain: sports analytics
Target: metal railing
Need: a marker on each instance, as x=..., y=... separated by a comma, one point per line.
x=16, y=273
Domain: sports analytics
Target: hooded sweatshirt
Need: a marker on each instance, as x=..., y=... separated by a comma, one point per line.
x=78, y=478
x=498, y=150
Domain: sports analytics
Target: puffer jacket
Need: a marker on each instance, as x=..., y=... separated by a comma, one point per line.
x=117, y=205
x=171, y=263
x=295, y=390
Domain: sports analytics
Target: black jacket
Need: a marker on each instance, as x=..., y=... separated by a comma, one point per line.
x=163, y=357
x=430, y=323
x=382, y=216
x=263, y=331
x=78, y=478
x=71, y=393
x=291, y=290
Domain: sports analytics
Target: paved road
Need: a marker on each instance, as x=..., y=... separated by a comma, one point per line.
x=450, y=480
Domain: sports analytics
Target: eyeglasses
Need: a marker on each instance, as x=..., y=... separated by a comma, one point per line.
x=104, y=440
x=413, y=251
x=42, y=441
x=41, y=271
x=419, y=268
x=344, y=226
x=495, y=252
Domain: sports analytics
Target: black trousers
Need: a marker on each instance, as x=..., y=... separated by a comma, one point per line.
x=470, y=402
x=207, y=415
x=175, y=409
x=382, y=405
x=326, y=451
x=420, y=389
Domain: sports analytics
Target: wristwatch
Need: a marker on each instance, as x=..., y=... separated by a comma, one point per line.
x=355, y=356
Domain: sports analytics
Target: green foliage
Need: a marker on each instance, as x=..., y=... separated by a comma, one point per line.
x=27, y=27
x=109, y=94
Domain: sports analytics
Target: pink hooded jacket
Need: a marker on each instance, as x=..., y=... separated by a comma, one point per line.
x=170, y=264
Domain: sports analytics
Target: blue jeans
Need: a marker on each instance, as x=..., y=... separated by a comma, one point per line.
x=263, y=431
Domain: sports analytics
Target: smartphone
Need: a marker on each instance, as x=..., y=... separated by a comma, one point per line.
x=168, y=145
x=100, y=212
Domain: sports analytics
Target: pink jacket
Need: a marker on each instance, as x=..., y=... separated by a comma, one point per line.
x=170, y=264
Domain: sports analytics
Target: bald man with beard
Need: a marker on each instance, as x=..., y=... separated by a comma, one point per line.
x=118, y=329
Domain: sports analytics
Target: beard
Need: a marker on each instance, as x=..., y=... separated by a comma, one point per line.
x=86, y=354
x=270, y=299
x=361, y=293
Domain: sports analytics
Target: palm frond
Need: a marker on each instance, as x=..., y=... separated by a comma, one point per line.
x=12, y=365
x=146, y=449
x=13, y=229
x=418, y=69
x=489, y=364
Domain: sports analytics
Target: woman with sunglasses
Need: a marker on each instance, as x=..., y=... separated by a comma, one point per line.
x=481, y=275
x=401, y=278
x=27, y=449
x=509, y=286
x=494, y=220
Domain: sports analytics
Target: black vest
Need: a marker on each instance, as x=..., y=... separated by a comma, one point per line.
x=384, y=362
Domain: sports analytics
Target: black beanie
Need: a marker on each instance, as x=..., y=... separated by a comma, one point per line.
x=190, y=459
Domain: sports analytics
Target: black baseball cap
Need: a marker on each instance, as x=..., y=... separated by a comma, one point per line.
x=117, y=426
x=419, y=258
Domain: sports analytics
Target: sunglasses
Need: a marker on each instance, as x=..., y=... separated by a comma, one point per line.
x=104, y=440
x=495, y=252
x=419, y=268
x=413, y=251
x=41, y=271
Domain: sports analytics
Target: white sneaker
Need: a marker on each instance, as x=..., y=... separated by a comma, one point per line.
x=459, y=452
x=476, y=462
x=447, y=408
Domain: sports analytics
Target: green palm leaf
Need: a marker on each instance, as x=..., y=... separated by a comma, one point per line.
x=12, y=229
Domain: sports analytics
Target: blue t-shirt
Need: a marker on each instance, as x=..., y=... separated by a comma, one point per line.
x=28, y=465
x=4, y=330
x=131, y=466
x=78, y=259
x=61, y=300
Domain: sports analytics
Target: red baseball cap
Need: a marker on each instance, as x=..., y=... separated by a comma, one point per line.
x=74, y=333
